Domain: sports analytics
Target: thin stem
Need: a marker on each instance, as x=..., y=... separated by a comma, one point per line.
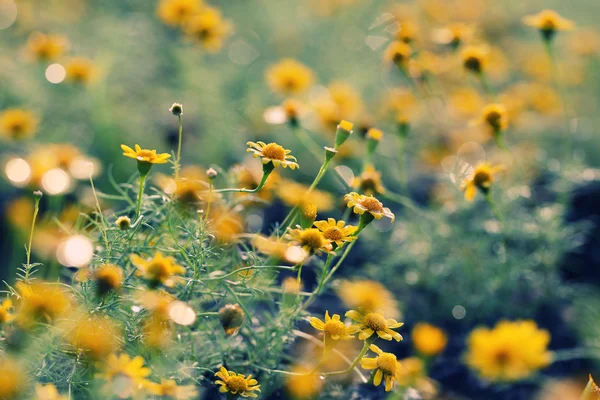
x=28, y=251
x=178, y=160
x=106, y=242
x=359, y=357
x=210, y=195
x=316, y=292
x=140, y=194
x=262, y=183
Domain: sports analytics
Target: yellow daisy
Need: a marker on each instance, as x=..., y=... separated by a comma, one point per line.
x=398, y=53
x=289, y=77
x=369, y=181
x=177, y=12
x=374, y=322
x=123, y=373
x=475, y=58
x=47, y=392
x=237, y=383
x=336, y=232
x=428, y=339
x=16, y=123
x=94, y=335
x=208, y=28
x=41, y=301
x=145, y=155
x=386, y=366
x=368, y=295
x=368, y=204
x=482, y=179
x=13, y=378
x=168, y=388
x=495, y=116
x=46, y=47
x=80, y=70
x=158, y=269
x=311, y=239
x=548, y=22
x=272, y=153
x=6, y=311
x=108, y=277
x=333, y=328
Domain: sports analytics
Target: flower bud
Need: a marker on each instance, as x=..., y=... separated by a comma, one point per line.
x=211, y=173
x=344, y=130
x=308, y=215
x=231, y=317
x=176, y=109
x=123, y=222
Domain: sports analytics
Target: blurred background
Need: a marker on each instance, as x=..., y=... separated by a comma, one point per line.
x=80, y=77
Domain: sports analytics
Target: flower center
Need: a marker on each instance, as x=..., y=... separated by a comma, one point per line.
x=473, y=63
x=158, y=271
x=312, y=238
x=482, y=178
x=388, y=363
x=494, y=118
x=375, y=321
x=237, y=384
x=333, y=233
x=502, y=357
x=371, y=204
x=274, y=152
x=335, y=328
x=145, y=155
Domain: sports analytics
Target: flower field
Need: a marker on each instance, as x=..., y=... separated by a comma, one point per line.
x=334, y=199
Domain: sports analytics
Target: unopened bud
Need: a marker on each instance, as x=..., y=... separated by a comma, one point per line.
x=123, y=223
x=176, y=109
x=231, y=317
x=344, y=130
x=211, y=173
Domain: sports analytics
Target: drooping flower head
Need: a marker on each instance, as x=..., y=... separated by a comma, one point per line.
x=386, y=366
x=272, y=153
x=511, y=351
x=311, y=239
x=548, y=22
x=158, y=269
x=333, y=329
x=337, y=233
x=16, y=123
x=239, y=384
x=482, y=179
x=368, y=204
x=370, y=323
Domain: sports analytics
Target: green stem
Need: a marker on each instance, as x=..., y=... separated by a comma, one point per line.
x=262, y=183
x=28, y=250
x=316, y=292
x=178, y=160
x=359, y=357
x=140, y=194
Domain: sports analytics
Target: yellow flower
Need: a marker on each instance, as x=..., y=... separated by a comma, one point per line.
x=408, y=31
x=548, y=22
x=346, y=99
x=311, y=240
x=124, y=375
x=289, y=77
x=482, y=179
x=475, y=58
x=336, y=232
x=47, y=392
x=333, y=328
x=374, y=322
x=168, y=389
x=158, y=269
x=177, y=12
x=428, y=339
x=303, y=384
x=368, y=296
x=272, y=153
x=237, y=383
x=226, y=224
x=108, y=277
x=386, y=366
x=16, y=123
x=295, y=194
x=5, y=311
x=145, y=155
x=370, y=204
x=13, y=381
x=511, y=351
x=46, y=47
x=209, y=28
x=592, y=391
x=495, y=116
x=290, y=285
x=94, y=335
x=453, y=35
x=279, y=250
x=41, y=301
x=398, y=53
x=80, y=70
x=369, y=181
x=123, y=222
x=157, y=332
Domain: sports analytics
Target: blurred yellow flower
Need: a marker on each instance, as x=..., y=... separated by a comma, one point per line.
x=208, y=28
x=41, y=301
x=145, y=155
x=46, y=47
x=80, y=70
x=226, y=224
x=272, y=153
x=408, y=31
x=311, y=240
x=475, y=58
x=368, y=296
x=108, y=277
x=398, y=53
x=511, y=351
x=13, y=379
x=190, y=187
x=279, y=250
x=370, y=323
x=236, y=383
x=130, y=373
x=386, y=366
x=168, y=389
x=453, y=34
x=495, y=116
x=303, y=384
x=428, y=339
x=591, y=391
x=177, y=12
x=158, y=269
x=369, y=181
x=333, y=329
x=548, y=22
x=123, y=222
x=17, y=123
x=346, y=98
x=289, y=77
x=94, y=335
x=6, y=308
x=47, y=392
x=482, y=179
x=337, y=233
x=368, y=204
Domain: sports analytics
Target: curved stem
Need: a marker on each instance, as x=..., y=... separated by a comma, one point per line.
x=359, y=357
x=262, y=183
x=140, y=194
x=178, y=160
x=28, y=250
